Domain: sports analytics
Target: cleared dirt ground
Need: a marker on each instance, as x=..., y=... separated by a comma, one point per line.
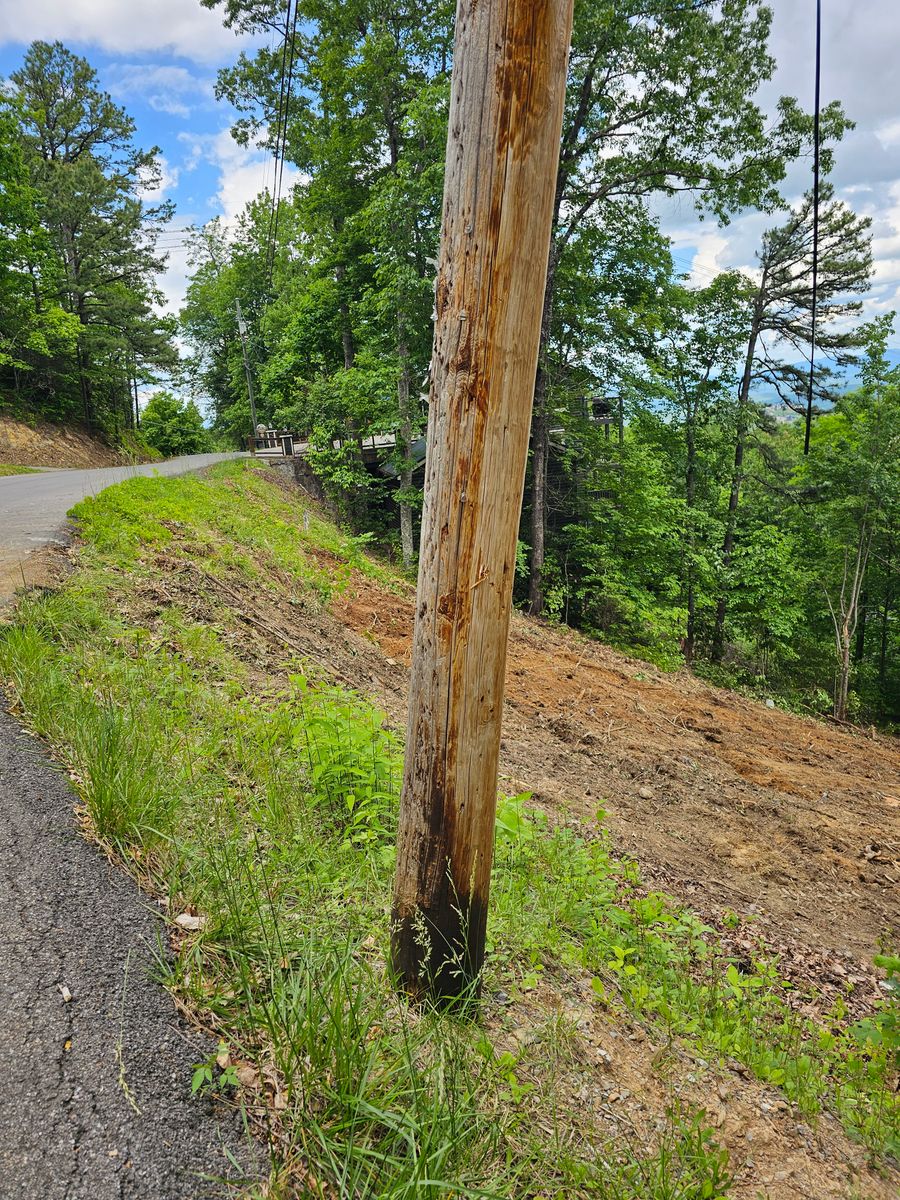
x=793, y=819
x=787, y=826
x=789, y=822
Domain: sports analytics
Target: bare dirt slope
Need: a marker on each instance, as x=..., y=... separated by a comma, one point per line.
x=724, y=802
x=765, y=811
x=791, y=824
x=45, y=445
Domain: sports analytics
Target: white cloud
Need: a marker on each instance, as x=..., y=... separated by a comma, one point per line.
x=173, y=90
x=859, y=69
x=889, y=133
x=174, y=279
x=121, y=26
x=168, y=181
x=244, y=172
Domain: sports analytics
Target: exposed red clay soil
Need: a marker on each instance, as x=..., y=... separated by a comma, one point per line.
x=45, y=445
x=792, y=819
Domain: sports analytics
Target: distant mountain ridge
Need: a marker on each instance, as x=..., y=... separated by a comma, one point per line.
x=765, y=394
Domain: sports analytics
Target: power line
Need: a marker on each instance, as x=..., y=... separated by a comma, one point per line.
x=815, y=251
x=280, y=125
x=287, y=105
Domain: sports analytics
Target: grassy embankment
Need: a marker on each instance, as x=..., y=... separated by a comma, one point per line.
x=8, y=469
x=263, y=798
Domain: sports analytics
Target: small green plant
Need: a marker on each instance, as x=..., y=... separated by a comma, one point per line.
x=352, y=761
x=215, y=1074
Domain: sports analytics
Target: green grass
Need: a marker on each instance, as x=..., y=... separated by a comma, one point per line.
x=273, y=815
x=9, y=469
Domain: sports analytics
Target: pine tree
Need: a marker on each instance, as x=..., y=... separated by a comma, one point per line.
x=781, y=329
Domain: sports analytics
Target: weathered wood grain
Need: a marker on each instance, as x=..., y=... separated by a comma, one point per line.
x=506, y=106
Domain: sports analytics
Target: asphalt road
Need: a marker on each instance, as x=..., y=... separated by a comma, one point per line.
x=95, y=1064
x=33, y=507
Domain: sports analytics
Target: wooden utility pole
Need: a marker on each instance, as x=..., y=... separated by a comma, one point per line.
x=242, y=330
x=509, y=77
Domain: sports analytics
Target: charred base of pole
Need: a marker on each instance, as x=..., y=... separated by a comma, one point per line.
x=437, y=955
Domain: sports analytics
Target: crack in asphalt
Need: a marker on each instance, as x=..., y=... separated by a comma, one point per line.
x=69, y=919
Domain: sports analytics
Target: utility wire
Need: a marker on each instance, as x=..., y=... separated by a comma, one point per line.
x=287, y=105
x=815, y=248
x=280, y=121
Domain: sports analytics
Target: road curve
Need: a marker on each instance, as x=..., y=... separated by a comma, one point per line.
x=33, y=508
x=95, y=1065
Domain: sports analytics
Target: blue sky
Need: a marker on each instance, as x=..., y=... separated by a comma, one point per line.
x=159, y=59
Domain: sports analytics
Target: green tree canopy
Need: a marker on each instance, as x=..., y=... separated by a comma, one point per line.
x=174, y=426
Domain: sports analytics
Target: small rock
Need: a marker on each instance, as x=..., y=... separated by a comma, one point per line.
x=770, y=704
x=189, y=922
x=645, y=793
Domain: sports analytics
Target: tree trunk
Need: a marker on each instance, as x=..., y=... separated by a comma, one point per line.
x=540, y=447
x=347, y=343
x=842, y=687
x=347, y=338
x=509, y=75
x=84, y=382
x=717, y=649
x=845, y=614
x=883, y=646
x=357, y=500
x=690, y=492
x=690, y=631
x=540, y=454
x=407, y=546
